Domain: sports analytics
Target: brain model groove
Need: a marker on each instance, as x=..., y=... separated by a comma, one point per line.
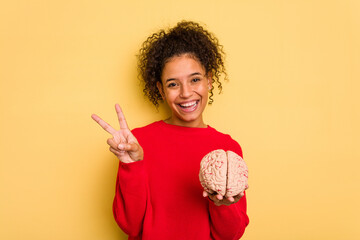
x=224, y=173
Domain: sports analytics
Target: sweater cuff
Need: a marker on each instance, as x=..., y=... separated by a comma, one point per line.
x=132, y=177
x=138, y=165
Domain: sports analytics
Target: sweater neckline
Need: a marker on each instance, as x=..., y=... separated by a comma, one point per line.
x=182, y=129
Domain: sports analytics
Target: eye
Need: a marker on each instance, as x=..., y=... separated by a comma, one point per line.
x=170, y=85
x=196, y=79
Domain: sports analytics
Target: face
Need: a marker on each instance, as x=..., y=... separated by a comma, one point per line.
x=184, y=88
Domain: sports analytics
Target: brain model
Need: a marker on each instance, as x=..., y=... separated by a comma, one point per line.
x=224, y=173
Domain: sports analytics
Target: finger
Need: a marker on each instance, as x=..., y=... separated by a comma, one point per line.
x=231, y=199
x=130, y=147
x=205, y=194
x=111, y=142
x=103, y=124
x=238, y=197
x=219, y=197
x=121, y=117
x=116, y=152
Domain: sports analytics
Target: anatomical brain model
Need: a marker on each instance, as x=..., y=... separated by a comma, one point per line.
x=224, y=173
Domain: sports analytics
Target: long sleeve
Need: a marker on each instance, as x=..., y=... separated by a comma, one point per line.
x=130, y=197
x=160, y=196
x=229, y=222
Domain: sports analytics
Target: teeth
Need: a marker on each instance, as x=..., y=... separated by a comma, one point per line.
x=190, y=104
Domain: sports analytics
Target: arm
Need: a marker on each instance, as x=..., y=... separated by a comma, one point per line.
x=228, y=217
x=228, y=222
x=130, y=197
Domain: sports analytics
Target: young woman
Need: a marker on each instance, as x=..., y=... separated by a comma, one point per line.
x=158, y=192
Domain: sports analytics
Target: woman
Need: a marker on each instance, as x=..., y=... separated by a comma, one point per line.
x=158, y=193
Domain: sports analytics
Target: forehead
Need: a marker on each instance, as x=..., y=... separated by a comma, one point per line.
x=182, y=66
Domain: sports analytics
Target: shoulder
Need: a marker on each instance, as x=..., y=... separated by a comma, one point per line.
x=227, y=142
x=223, y=136
x=148, y=129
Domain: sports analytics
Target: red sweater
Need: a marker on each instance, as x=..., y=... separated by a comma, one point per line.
x=160, y=197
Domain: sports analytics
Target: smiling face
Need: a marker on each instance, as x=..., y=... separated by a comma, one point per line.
x=184, y=88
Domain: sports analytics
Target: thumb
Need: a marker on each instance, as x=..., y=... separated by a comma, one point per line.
x=205, y=194
x=129, y=147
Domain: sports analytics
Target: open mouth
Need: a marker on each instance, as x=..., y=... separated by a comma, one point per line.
x=189, y=106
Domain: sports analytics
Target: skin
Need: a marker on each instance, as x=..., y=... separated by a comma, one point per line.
x=123, y=143
x=183, y=82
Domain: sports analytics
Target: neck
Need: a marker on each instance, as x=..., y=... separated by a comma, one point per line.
x=193, y=124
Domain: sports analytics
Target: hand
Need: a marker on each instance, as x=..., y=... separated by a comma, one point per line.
x=123, y=143
x=220, y=200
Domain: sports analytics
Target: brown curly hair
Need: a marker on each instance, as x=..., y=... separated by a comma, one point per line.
x=186, y=37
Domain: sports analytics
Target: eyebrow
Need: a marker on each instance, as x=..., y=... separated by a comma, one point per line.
x=193, y=74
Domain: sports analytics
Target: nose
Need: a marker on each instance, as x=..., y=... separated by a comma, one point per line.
x=186, y=91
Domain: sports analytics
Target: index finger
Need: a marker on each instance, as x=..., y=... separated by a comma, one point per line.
x=103, y=124
x=121, y=117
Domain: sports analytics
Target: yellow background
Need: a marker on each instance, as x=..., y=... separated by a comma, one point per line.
x=292, y=102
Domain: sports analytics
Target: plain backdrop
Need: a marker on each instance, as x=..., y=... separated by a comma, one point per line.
x=292, y=102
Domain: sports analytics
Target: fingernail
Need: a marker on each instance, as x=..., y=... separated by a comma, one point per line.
x=121, y=146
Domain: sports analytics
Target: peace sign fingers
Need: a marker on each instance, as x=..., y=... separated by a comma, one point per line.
x=123, y=143
x=104, y=124
x=121, y=117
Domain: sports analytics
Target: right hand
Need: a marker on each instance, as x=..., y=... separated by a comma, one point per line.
x=123, y=143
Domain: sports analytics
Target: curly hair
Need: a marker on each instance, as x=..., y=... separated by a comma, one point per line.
x=186, y=37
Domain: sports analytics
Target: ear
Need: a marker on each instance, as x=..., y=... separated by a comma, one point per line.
x=210, y=81
x=161, y=89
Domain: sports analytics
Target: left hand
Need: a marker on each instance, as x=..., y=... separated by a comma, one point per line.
x=220, y=200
